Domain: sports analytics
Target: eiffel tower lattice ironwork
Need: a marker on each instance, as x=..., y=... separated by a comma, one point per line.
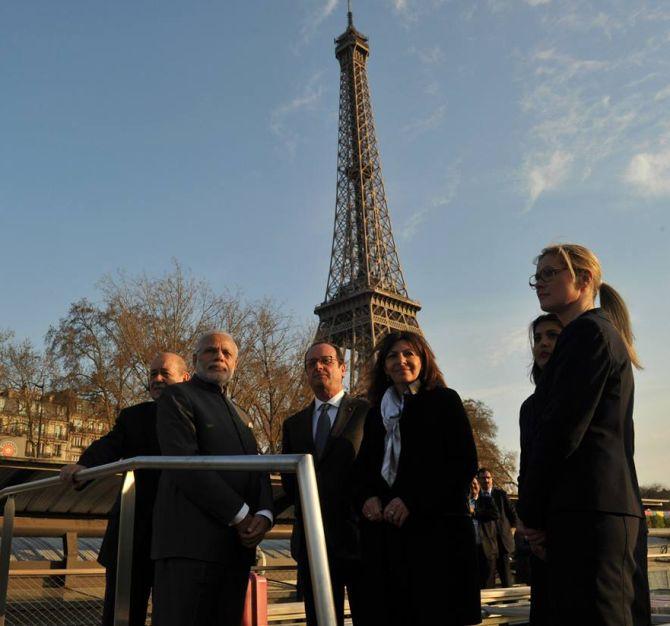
x=366, y=295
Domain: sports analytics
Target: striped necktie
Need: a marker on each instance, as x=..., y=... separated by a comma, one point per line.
x=322, y=430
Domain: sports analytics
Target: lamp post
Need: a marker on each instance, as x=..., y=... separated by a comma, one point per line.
x=40, y=415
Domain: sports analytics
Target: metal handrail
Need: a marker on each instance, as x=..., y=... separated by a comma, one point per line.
x=301, y=464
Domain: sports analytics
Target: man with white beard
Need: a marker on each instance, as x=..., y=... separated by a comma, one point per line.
x=207, y=523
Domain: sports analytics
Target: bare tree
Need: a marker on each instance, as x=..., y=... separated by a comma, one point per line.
x=501, y=463
x=85, y=343
x=655, y=491
x=103, y=349
x=26, y=372
x=270, y=383
x=167, y=313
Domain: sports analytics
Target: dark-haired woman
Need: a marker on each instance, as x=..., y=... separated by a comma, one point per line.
x=544, y=331
x=414, y=468
x=579, y=498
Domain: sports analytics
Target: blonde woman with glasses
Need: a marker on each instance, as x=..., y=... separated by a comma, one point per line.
x=579, y=498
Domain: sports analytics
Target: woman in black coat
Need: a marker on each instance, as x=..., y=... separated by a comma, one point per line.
x=544, y=332
x=579, y=498
x=413, y=471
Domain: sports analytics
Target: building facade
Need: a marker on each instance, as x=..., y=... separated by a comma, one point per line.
x=50, y=426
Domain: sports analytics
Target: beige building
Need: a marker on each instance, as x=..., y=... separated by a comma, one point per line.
x=53, y=426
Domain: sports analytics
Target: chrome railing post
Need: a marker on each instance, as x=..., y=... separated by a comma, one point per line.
x=316, y=542
x=5, y=552
x=125, y=551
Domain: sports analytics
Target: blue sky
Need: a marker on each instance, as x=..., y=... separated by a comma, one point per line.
x=135, y=133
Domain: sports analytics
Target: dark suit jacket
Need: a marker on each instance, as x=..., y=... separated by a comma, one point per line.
x=194, y=508
x=505, y=522
x=134, y=434
x=487, y=515
x=582, y=453
x=333, y=475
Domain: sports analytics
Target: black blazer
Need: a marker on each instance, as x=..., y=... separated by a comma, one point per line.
x=333, y=475
x=438, y=458
x=487, y=515
x=505, y=522
x=195, y=507
x=582, y=452
x=134, y=434
x=528, y=419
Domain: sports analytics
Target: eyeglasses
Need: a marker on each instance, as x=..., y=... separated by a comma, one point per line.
x=546, y=275
x=326, y=361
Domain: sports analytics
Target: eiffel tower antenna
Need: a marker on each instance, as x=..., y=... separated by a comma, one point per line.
x=366, y=296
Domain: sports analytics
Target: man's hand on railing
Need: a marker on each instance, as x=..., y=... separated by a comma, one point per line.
x=68, y=473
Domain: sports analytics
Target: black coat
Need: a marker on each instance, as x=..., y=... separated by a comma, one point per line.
x=505, y=522
x=194, y=508
x=438, y=458
x=134, y=434
x=437, y=462
x=333, y=475
x=528, y=420
x=581, y=456
x=487, y=515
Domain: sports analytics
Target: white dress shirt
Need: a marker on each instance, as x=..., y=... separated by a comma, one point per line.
x=333, y=408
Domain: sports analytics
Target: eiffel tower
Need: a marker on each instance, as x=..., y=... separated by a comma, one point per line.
x=366, y=296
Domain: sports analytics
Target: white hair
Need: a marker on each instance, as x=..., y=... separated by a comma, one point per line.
x=212, y=333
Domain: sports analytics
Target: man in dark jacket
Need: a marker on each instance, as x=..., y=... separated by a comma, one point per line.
x=506, y=521
x=331, y=429
x=207, y=523
x=485, y=517
x=134, y=434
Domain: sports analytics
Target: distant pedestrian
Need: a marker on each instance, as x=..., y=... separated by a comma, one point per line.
x=484, y=517
x=505, y=522
x=414, y=470
x=579, y=499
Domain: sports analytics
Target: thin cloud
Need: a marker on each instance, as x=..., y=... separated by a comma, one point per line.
x=432, y=88
x=312, y=22
x=583, y=110
x=429, y=56
x=412, y=224
x=429, y=122
x=280, y=117
x=510, y=344
x=649, y=173
x=451, y=184
x=443, y=199
x=544, y=175
x=663, y=94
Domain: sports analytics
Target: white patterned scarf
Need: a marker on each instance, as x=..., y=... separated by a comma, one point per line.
x=391, y=409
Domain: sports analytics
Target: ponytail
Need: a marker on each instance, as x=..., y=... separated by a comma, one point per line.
x=615, y=307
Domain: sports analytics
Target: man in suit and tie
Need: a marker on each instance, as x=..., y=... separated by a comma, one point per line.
x=506, y=521
x=330, y=428
x=134, y=434
x=485, y=517
x=207, y=523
